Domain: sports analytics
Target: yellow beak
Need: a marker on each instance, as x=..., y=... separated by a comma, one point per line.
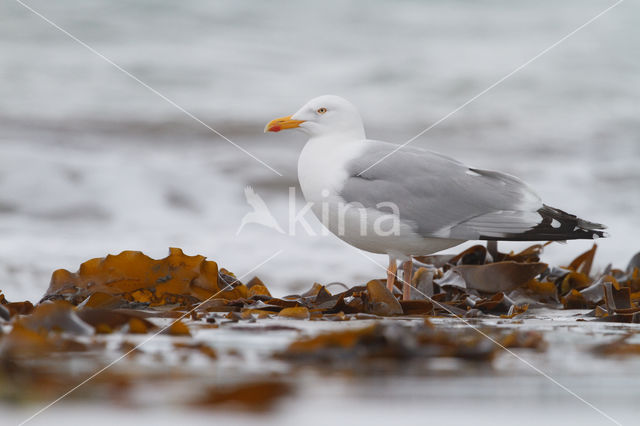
x=282, y=123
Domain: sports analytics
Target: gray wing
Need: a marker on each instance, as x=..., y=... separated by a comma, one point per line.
x=441, y=197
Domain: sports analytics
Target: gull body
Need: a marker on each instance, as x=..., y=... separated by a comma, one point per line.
x=323, y=170
x=406, y=201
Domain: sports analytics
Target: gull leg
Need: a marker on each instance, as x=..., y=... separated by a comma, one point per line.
x=407, y=275
x=492, y=248
x=391, y=274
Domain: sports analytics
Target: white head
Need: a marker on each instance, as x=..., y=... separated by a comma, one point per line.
x=323, y=116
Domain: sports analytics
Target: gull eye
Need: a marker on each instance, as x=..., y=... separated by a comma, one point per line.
x=321, y=110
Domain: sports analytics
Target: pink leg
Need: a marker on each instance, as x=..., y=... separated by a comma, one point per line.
x=391, y=274
x=407, y=275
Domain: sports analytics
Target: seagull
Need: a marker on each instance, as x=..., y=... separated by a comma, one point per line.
x=406, y=201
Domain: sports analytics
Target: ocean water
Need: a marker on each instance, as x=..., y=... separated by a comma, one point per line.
x=92, y=162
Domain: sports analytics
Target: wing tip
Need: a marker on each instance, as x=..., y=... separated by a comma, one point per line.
x=570, y=227
x=558, y=225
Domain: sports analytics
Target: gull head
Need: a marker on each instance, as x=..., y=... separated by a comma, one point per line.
x=327, y=115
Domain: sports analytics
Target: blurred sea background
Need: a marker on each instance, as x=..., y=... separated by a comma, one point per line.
x=92, y=162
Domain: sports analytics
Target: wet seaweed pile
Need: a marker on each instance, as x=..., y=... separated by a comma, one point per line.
x=111, y=307
x=476, y=282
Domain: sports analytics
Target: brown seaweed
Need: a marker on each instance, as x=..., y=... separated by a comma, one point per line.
x=127, y=293
x=393, y=342
x=135, y=277
x=256, y=396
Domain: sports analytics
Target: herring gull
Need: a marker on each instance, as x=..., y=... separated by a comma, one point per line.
x=411, y=202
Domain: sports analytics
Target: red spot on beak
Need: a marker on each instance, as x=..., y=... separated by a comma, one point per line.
x=275, y=128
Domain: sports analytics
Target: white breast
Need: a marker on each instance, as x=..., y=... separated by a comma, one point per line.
x=322, y=166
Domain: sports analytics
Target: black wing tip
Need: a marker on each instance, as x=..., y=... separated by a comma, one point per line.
x=571, y=224
x=558, y=225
